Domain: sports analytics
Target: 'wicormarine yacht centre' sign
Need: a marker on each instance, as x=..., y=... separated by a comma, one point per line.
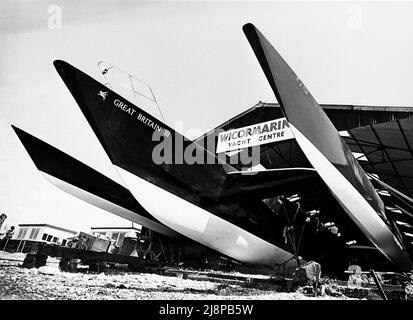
x=254, y=135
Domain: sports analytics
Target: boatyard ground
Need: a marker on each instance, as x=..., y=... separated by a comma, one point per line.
x=48, y=282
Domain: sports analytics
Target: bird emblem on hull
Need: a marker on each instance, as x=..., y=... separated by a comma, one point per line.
x=103, y=94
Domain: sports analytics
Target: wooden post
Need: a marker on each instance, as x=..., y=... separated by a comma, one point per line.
x=163, y=250
x=7, y=241
x=24, y=243
x=317, y=281
x=378, y=284
x=290, y=236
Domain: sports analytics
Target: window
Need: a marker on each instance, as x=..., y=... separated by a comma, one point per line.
x=22, y=233
x=34, y=233
x=19, y=235
x=121, y=238
x=115, y=236
x=98, y=234
x=44, y=237
x=49, y=238
x=64, y=242
x=118, y=237
x=54, y=239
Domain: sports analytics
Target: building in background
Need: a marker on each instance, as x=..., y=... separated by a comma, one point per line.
x=27, y=236
x=43, y=233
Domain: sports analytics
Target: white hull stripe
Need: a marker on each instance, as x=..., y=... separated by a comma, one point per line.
x=108, y=206
x=351, y=200
x=201, y=225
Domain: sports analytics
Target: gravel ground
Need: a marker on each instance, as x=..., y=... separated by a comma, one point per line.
x=49, y=283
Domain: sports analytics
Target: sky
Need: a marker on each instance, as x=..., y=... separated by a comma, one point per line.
x=199, y=64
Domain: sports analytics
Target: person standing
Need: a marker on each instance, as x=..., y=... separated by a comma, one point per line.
x=2, y=218
x=7, y=237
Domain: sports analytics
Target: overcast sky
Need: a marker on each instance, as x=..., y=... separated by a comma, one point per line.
x=199, y=64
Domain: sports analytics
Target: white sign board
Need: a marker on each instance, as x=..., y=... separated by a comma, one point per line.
x=254, y=135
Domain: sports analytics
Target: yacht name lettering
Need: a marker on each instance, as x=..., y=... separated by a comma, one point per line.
x=131, y=111
x=124, y=107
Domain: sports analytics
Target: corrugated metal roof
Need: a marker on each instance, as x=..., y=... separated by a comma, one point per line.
x=343, y=116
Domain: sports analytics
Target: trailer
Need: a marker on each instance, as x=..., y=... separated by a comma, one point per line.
x=71, y=257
